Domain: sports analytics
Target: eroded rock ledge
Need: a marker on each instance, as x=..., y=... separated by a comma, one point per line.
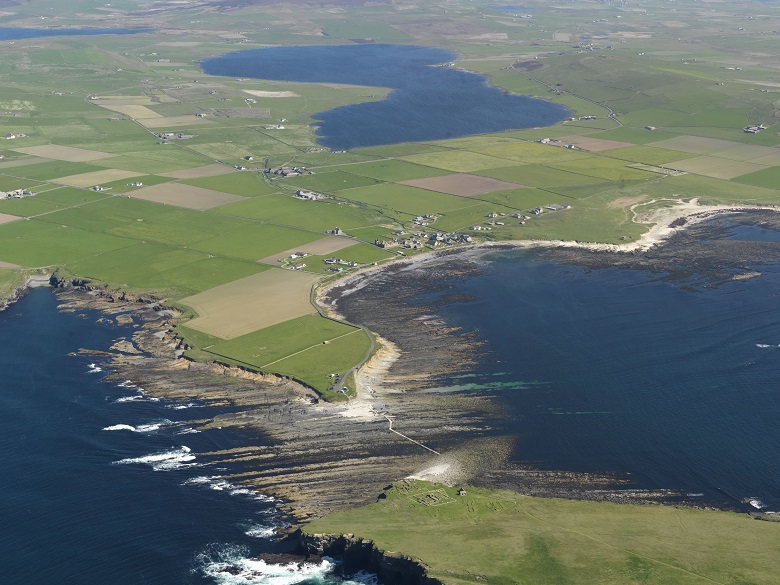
x=360, y=554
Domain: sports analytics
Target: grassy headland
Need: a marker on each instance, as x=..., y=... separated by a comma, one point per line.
x=501, y=537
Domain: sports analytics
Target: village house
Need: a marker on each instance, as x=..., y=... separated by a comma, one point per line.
x=310, y=195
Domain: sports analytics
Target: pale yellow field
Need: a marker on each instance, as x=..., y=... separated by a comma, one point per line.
x=96, y=178
x=172, y=121
x=321, y=247
x=719, y=168
x=252, y=303
x=185, y=196
x=7, y=265
x=5, y=218
x=271, y=94
x=200, y=172
x=464, y=185
x=66, y=153
x=23, y=162
x=138, y=112
x=770, y=160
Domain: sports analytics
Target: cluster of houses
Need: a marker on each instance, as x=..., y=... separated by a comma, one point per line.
x=16, y=194
x=288, y=171
x=338, y=264
x=555, y=142
x=417, y=240
x=13, y=136
x=274, y=127
x=174, y=135
x=495, y=217
x=310, y=195
x=424, y=220
x=581, y=118
x=753, y=129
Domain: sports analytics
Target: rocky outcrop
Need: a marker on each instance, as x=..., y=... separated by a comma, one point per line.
x=360, y=554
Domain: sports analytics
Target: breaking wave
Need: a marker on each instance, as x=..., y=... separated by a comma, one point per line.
x=259, y=531
x=164, y=461
x=222, y=485
x=231, y=565
x=147, y=428
x=138, y=396
x=183, y=406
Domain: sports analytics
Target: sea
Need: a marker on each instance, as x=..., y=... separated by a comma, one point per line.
x=430, y=99
x=671, y=384
x=102, y=483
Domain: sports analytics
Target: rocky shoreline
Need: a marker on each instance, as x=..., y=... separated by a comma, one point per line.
x=320, y=458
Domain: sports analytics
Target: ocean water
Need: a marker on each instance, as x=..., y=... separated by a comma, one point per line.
x=12, y=34
x=674, y=385
x=102, y=484
x=427, y=102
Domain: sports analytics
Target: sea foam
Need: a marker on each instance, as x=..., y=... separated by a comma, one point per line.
x=165, y=460
x=147, y=428
x=231, y=565
x=222, y=485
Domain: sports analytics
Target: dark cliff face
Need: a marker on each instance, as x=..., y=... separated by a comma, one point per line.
x=359, y=554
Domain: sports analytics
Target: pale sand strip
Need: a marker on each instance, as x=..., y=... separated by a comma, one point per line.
x=321, y=247
x=252, y=303
x=7, y=265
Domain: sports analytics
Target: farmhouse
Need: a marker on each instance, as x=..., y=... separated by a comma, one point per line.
x=310, y=195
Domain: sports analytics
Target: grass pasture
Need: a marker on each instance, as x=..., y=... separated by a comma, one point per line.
x=243, y=184
x=498, y=537
x=161, y=270
x=540, y=176
x=269, y=345
x=35, y=243
x=331, y=181
x=253, y=241
x=457, y=161
x=318, y=216
x=392, y=170
x=769, y=178
x=405, y=199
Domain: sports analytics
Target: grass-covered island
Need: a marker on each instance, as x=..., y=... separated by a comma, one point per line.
x=206, y=205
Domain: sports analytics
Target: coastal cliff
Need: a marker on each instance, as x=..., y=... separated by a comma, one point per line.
x=361, y=554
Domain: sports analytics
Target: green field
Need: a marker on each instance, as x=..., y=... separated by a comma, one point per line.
x=501, y=537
